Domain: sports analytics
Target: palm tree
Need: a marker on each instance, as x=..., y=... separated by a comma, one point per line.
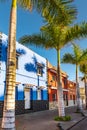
x=46, y=8
x=57, y=36
x=83, y=69
x=8, y=120
x=78, y=57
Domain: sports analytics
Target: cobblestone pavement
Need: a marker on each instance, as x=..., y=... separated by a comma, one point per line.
x=44, y=120
x=37, y=121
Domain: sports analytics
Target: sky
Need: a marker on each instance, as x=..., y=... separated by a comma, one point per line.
x=30, y=22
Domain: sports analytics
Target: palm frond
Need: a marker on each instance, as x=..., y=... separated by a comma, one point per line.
x=83, y=68
x=77, y=52
x=65, y=13
x=58, y=36
x=38, y=40
x=83, y=57
x=34, y=39
x=52, y=9
x=27, y=4
x=68, y=58
x=79, y=56
x=77, y=31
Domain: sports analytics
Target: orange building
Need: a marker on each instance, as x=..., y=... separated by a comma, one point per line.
x=71, y=93
x=52, y=87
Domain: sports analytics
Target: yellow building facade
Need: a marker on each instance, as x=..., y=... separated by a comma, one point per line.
x=82, y=90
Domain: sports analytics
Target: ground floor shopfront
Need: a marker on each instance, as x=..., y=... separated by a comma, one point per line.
x=68, y=99
x=28, y=99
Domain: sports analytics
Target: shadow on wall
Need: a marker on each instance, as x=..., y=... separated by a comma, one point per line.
x=3, y=53
x=21, y=51
x=32, y=67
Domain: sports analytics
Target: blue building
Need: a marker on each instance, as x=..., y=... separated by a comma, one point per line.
x=31, y=78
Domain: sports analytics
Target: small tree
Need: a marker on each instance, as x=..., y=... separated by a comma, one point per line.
x=77, y=58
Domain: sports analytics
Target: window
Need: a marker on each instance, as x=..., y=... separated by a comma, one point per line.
x=0, y=35
x=65, y=96
x=53, y=77
x=54, y=97
x=39, y=70
x=70, y=97
x=65, y=82
x=16, y=62
x=73, y=97
x=38, y=94
x=0, y=50
x=0, y=40
x=16, y=92
x=17, y=57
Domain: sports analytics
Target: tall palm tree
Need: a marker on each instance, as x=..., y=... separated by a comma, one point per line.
x=46, y=8
x=57, y=36
x=83, y=69
x=8, y=120
x=78, y=57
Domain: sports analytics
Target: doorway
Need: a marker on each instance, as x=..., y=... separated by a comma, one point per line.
x=27, y=98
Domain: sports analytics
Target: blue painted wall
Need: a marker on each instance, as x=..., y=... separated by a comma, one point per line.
x=33, y=94
x=45, y=94
x=26, y=73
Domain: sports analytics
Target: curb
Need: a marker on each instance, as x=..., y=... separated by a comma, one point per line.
x=59, y=125
x=76, y=123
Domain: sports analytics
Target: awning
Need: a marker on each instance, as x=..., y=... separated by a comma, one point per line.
x=18, y=83
x=29, y=85
x=65, y=90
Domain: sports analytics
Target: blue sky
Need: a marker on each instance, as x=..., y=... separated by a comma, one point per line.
x=30, y=22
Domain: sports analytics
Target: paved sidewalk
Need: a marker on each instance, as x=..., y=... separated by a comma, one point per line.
x=75, y=118
x=44, y=120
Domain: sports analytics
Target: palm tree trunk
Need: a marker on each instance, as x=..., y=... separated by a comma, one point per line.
x=8, y=120
x=61, y=109
x=79, y=106
x=85, y=92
